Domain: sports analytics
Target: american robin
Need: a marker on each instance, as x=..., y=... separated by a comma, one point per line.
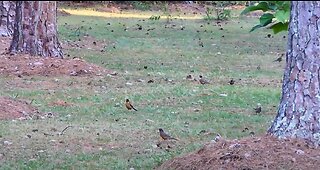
x=202, y=80
x=129, y=105
x=165, y=136
x=258, y=108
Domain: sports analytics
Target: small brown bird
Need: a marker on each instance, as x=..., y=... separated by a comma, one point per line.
x=258, y=108
x=129, y=105
x=202, y=80
x=165, y=136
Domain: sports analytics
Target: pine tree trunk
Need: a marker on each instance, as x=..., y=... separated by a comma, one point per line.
x=7, y=13
x=35, y=29
x=299, y=111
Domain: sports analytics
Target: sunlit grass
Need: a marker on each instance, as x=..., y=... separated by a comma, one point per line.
x=145, y=15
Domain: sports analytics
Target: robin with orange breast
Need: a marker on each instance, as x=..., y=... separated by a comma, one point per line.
x=129, y=106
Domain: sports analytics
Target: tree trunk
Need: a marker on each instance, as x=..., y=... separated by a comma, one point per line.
x=299, y=111
x=7, y=13
x=35, y=29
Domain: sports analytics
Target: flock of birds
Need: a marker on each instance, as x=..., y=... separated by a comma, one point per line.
x=202, y=81
x=166, y=136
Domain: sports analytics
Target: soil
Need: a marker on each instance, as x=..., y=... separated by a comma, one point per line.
x=26, y=65
x=11, y=108
x=251, y=153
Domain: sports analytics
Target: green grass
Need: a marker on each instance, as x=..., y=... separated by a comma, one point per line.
x=107, y=136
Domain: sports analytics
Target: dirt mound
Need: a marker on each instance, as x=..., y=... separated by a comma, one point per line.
x=16, y=109
x=264, y=152
x=26, y=65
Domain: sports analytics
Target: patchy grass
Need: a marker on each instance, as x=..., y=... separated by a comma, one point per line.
x=104, y=135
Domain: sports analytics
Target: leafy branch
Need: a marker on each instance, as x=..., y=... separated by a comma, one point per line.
x=276, y=15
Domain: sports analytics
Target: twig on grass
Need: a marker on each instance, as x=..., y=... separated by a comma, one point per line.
x=31, y=101
x=61, y=133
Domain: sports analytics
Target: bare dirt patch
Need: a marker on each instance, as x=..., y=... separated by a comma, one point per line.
x=26, y=65
x=112, y=9
x=263, y=152
x=188, y=8
x=13, y=109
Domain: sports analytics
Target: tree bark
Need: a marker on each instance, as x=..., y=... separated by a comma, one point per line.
x=7, y=13
x=35, y=29
x=299, y=110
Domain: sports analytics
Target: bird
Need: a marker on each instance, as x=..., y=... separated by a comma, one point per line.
x=258, y=67
x=217, y=138
x=231, y=82
x=245, y=129
x=279, y=59
x=129, y=105
x=201, y=43
x=202, y=80
x=258, y=108
x=251, y=133
x=165, y=136
x=189, y=77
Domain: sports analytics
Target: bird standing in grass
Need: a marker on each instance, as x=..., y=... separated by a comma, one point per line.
x=202, y=80
x=258, y=108
x=279, y=59
x=129, y=106
x=231, y=82
x=165, y=136
x=259, y=67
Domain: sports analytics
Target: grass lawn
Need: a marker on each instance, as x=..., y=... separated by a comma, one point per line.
x=104, y=135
